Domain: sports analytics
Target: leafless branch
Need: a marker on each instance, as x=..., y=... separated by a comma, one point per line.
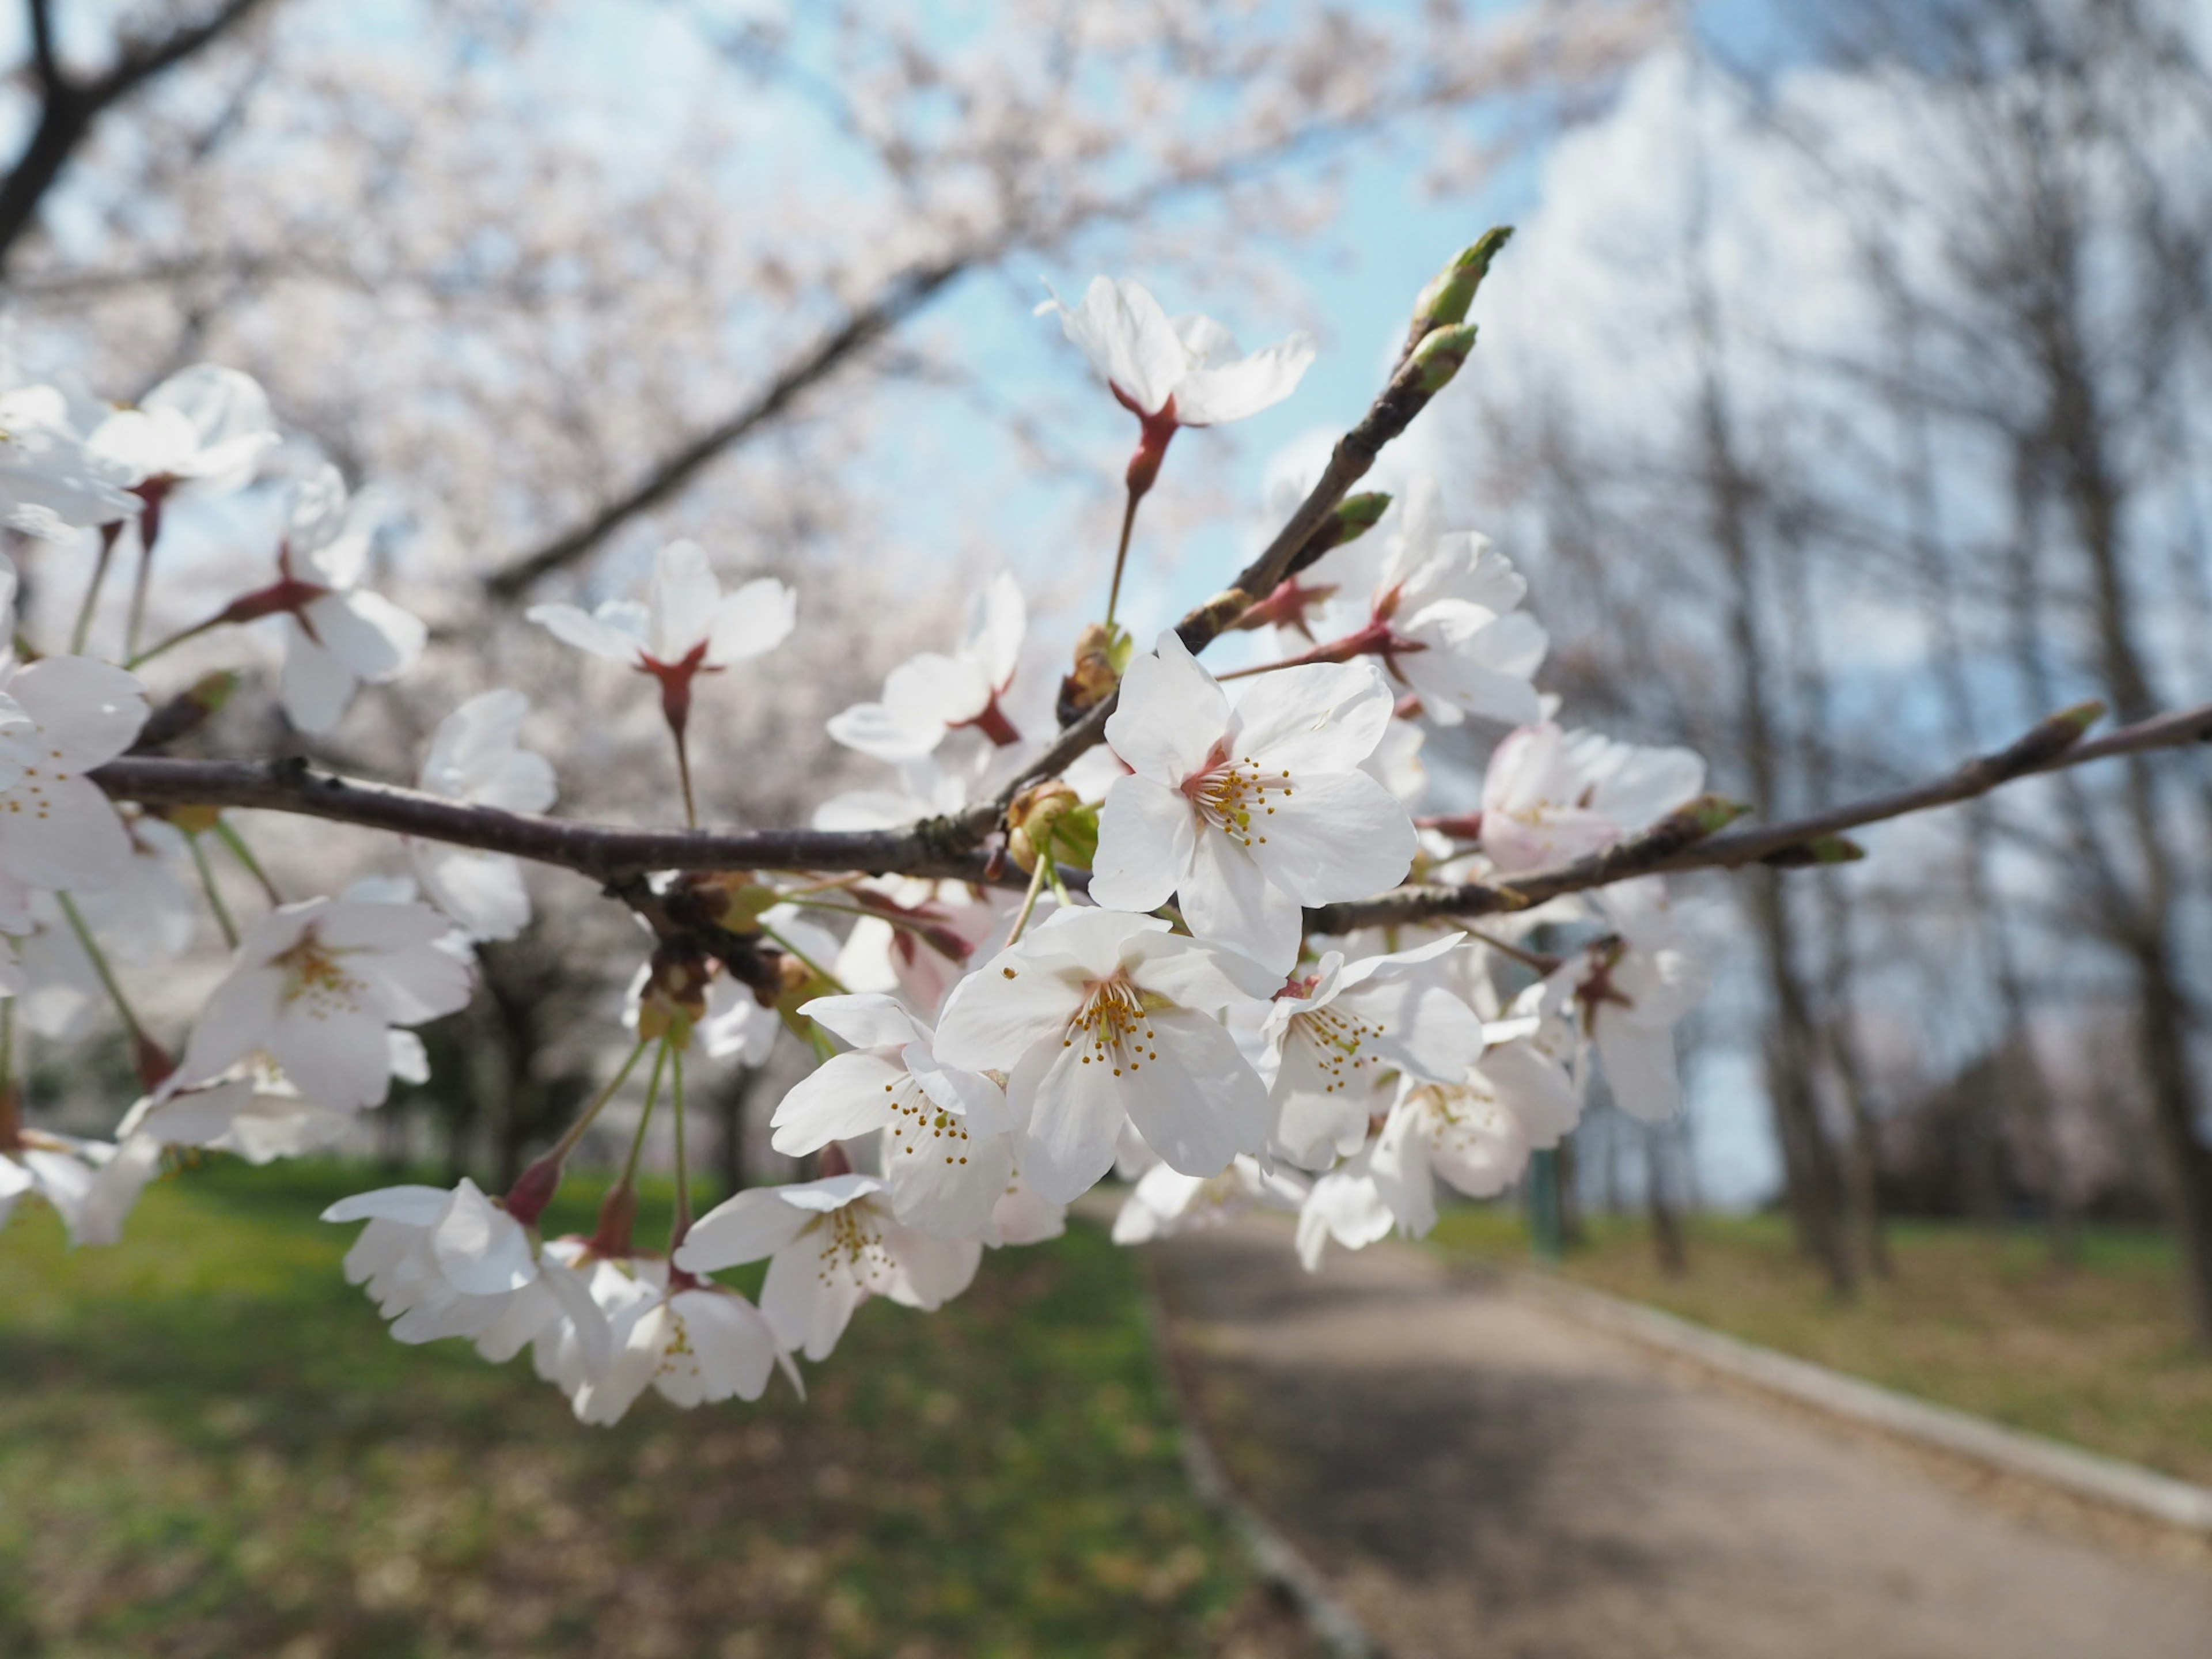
x=613, y=855
x=899, y=298
x=68, y=107
x=2051, y=745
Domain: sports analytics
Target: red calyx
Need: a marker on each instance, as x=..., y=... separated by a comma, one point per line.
x=1598, y=988
x=152, y=492
x=288, y=592
x=533, y=1190
x=1460, y=826
x=676, y=679
x=1155, y=431
x=617, y=1215
x=1286, y=606
x=153, y=1062
x=992, y=723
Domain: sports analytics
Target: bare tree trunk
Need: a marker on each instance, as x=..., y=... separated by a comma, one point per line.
x=1792, y=1045
x=1573, y=1233
x=730, y=1101
x=2091, y=489
x=1659, y=1202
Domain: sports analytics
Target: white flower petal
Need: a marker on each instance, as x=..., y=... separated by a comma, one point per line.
x=1170, y=714
x=751, y=621
x=1146, y=835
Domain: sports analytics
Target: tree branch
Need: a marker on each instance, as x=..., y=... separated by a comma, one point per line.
x=606, y=852
x=68, y=108
x=1411, y=388
x=899, y=298
x=2051, y=746
x=611, y=854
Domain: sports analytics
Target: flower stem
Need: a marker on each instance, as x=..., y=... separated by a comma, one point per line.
x=1121, y=554
x=575, y=1131
x=83, y=631
x=644, y=1118
x=684, y=772
x=806, y=961
x=244, y=855
x=174, y=640
x=534, y=1187
x=153, y=1061
x=1375, y=637
x=214, y=893
x=682, y=1223
x=1543, y=964
x=1030, y=898
x=139, y=585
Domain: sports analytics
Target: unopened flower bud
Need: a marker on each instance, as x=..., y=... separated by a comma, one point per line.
x=1451, y=291
x=674, y=999
x=1101, y=653
x=193, y=818
x=1032, y=817
x=731, y=899
x=188, y=711
x=1356, y=514
x=1438, y=357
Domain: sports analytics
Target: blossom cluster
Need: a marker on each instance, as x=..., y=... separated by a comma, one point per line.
x=1155, y=1002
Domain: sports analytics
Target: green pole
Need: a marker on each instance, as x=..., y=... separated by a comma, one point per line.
x=1544, y=1230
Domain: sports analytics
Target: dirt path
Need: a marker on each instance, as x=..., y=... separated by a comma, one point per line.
x=1478, y=1476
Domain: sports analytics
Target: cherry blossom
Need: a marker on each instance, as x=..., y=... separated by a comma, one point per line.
x=443, y=1264
x=474, y=757
x=336, y=633
x=1463, y=1132
x=1439, y=609
x=203, y=429
x=252, y=1112
x=921, y=935
x=1550, y=795
x=690, y=1341
x=947, y=1153
x=1334, y=1033
x=1186, y=370
x=1100, y=1017
x=1165, y=1202
x=686, y=627
x=60, y=1168
x=931, y=695
x=318, y=985
x=687, y=624
x=1628, y=989
x=59, y=718
x=205, y=425
x=1247, y=811
x=1345, y=1205
x=51, y=481
x=1022, y=1215
x=831, y=1245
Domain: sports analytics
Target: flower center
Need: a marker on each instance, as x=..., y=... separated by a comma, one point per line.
x=1235, y=796
x=853, y=1247
x=1115, y=1024
x=920, y=1126
x=1339, y=1043
x=1461, y=1117
x=313, y=974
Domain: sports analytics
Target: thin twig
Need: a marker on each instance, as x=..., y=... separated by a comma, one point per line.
x=611, y=854
x=2051, y=745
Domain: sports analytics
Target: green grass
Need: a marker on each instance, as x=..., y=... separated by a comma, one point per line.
x=209, y=1446
x=1980, y=1319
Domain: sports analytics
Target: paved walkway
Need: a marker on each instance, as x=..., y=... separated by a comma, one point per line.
x=1476, y=1475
